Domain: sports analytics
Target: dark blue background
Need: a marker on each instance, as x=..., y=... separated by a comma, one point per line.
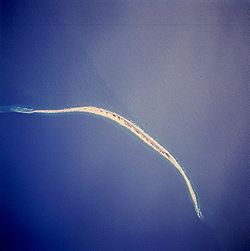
x=79, y=182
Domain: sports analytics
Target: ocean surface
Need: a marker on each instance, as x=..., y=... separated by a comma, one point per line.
x=81, y=182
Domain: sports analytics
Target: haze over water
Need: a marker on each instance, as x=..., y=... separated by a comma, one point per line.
x=178, y=70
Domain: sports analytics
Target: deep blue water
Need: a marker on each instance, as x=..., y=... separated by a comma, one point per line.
x=80, y=182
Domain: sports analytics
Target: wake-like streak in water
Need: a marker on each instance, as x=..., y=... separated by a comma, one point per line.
x=127, y=124
x=5, y=109
x=22, y=110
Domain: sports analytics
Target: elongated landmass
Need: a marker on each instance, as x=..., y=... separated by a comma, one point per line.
x=132, y=128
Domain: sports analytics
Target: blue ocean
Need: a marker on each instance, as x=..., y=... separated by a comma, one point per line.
x=178, y=70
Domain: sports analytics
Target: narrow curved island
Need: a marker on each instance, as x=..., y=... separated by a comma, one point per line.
x=132, y=128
